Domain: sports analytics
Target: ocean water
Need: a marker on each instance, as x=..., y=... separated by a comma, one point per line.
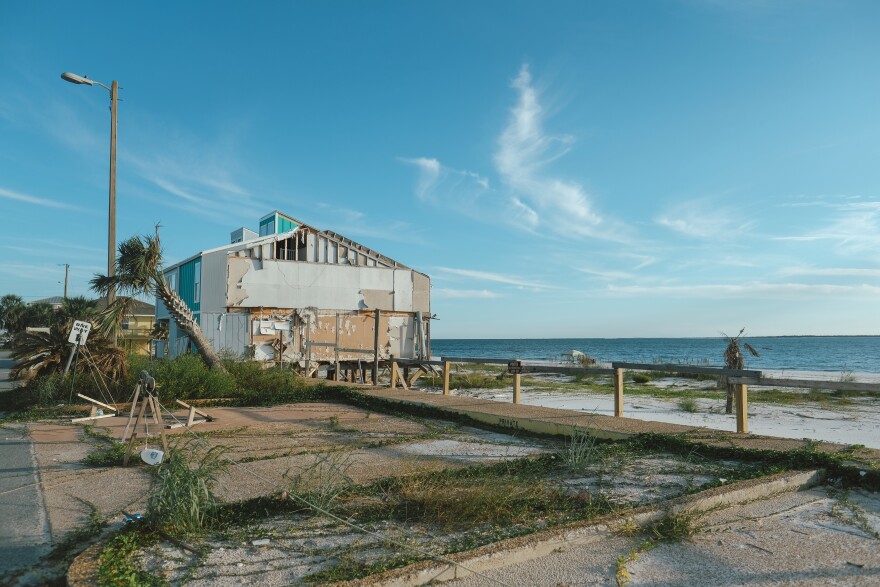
x=835, y=354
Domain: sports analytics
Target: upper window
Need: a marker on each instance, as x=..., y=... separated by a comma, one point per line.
x=197, y=281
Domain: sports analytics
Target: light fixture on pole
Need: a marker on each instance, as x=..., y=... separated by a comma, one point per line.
x=111, y=223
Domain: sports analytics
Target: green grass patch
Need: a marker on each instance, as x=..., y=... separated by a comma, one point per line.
x=117, y=564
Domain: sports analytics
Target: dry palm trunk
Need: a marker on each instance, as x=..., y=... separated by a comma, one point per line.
x=184, y=318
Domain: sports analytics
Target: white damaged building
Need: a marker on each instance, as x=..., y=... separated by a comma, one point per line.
x=294, y=294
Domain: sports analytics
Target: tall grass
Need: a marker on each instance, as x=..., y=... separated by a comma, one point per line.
x=184, y=502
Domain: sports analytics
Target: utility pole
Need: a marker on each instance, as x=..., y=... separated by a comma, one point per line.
x=66, y=272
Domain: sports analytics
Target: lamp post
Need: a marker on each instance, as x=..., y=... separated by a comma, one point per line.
x=111, y=223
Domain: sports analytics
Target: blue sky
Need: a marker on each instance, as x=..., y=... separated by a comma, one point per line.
x=565, y=169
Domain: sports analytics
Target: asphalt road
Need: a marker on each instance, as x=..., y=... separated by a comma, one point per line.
x=5, y=365
x=24, y=529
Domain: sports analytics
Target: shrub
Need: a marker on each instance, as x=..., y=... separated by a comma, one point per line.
x=182, y=377
x=688, y=404
x=641, y=377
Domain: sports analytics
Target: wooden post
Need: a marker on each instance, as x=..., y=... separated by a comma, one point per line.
x=336, y=349
x=516, y=383
x=447, y=366
x=393, y=373
x=308, y=340
x=618, y=393
x=376, y=350
x=741, y=392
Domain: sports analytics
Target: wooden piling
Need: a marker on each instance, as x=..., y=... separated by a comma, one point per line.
x=618, y=393
x=741, y=393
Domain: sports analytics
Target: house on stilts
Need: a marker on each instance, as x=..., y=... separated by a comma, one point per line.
x=297, y=295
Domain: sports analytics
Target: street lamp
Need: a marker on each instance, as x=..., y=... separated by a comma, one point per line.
x=111, y=223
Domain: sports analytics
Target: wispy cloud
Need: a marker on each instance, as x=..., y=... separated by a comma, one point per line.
x=747, y=290
x=529, y=196
x=27, y=199
x=470, y=294
x=610, y=275
x=463, y=191
x=496, y=278
x=703, y=218
x=523, y=154
x=854, y=228
x=832, y=271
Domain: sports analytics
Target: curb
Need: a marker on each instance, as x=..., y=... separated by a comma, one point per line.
x=525, y=548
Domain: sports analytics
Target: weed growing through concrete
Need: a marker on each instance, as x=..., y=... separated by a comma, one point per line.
x=109, y=452
x=688, y=404
x=320, y=483
x=849, y=513
x=117, y=565
x=672, y=527
x=581, y=451
x=184, y=502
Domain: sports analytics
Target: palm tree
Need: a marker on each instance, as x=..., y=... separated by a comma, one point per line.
x=734, y=359
x=139, y=272
x=76, y=308
x=39, y=315
x=12, y=309
x=44, y=353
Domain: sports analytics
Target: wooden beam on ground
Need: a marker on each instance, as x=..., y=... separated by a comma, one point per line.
x=96, y=402
x=416, y=375
x=204, y=415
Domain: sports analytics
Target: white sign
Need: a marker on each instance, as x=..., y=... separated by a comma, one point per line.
x=80, y=332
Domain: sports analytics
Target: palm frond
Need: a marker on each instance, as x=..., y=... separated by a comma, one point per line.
x=751, y=349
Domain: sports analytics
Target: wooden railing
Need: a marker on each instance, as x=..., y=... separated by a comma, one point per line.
x=741, y=379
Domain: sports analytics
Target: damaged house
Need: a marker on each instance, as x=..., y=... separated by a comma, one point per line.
x=299, y=295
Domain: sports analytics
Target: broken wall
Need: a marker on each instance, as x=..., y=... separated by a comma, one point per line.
x=289, y=284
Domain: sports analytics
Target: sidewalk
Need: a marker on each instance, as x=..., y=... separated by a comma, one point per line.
x=541, y=420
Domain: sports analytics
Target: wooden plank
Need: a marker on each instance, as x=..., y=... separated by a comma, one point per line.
x=96, y=402
x=472, y=360
x=416, y=376
x=137, y=392
x=87, y=418
x=326, y=344
x=672, y=368
x=393, y=373
x=204, y=415
x=417, y=362
x=808, y=384
x=566, y=370
x=358, y=351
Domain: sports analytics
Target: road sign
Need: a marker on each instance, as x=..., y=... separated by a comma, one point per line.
x=514, y=367
x=80, y=332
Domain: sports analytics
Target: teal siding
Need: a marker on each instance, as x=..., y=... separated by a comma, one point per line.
x=285, y=225
x=187, y=283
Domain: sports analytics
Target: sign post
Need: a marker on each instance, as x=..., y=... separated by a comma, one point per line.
x=78, y=335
